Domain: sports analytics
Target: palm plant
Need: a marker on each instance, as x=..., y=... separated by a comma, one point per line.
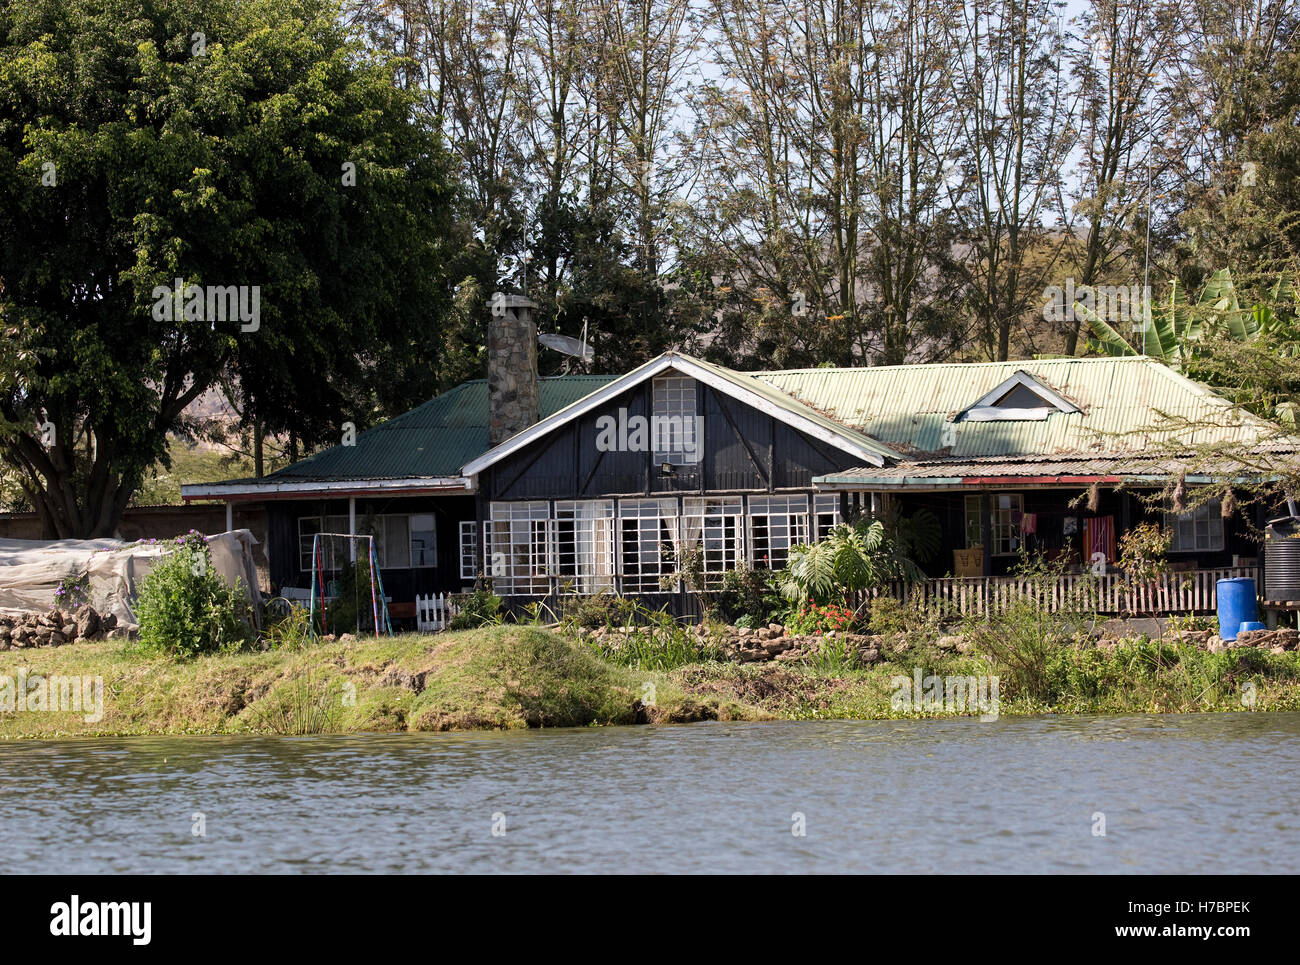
x=854, y=557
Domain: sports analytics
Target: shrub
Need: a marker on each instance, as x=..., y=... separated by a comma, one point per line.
x=352, y=609
x=653, y=640
x=748, y=594
x=481, y=608
x=1027, y=639
x=186, y=608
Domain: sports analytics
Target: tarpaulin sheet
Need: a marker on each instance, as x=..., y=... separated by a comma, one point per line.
x=31, y=570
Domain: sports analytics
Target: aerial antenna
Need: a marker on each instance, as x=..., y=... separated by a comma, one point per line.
x=1146, y=267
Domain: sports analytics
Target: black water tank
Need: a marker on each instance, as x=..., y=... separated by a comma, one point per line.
x=1282, y=560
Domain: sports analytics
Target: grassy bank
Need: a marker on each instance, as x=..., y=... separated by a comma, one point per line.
x=520, y=676
x=502, y=677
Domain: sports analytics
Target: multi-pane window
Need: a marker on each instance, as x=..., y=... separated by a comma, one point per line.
x=1197, y=530
x=647, y=542
x=715, y=525
x=1004, y=523
x=1007, y=510
x=675, y=427
x=516, y=547
x=584, y=545
x=469, y=559
x=401, y=541
x=775, y=524
x=826, y=514
x=333, y=549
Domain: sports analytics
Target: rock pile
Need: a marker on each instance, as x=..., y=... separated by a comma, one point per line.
x=775, y=643
x=58, y=627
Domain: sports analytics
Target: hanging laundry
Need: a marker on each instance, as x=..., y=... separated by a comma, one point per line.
x=1099, y=537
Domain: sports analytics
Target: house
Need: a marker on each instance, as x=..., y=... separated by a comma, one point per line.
x=585, y=483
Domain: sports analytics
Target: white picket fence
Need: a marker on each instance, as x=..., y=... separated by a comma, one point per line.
x=434, y=612
x=1189, y=591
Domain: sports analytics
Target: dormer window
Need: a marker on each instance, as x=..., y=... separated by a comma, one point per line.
x=1021, y=398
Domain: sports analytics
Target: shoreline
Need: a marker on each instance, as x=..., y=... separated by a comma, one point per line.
x=520, y=676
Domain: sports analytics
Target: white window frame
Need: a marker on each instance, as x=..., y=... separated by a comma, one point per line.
x=674, y=406
x=784, y=524
x=1209, y=513
x=826, y=514
x=1003, y=527
x=469, y=550
x=654, y=521
x=334, y=560
x=717, y=525
x=583, y=547
x=516, y=547
x=975, y=515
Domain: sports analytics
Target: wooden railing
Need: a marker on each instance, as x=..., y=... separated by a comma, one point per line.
x=1188, y=591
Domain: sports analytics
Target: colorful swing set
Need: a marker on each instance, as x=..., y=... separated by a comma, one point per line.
x=378, y=605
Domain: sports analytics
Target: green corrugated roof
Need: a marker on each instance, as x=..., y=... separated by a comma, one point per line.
x=433, y=439
x=906, y=406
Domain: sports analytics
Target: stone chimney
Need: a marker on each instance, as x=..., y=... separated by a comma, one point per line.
x=512, y=366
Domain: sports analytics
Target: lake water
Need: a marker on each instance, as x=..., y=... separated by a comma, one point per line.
x=1211, y=793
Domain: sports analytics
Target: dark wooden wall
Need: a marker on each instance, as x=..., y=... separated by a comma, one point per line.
x=745, y=450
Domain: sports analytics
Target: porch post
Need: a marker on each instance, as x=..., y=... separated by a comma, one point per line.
x=230, y=515
x=986, y=531
x=352, y=528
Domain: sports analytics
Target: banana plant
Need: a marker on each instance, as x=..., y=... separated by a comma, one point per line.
x=1172, y=330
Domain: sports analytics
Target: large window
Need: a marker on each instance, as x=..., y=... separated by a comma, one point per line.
x=678, y=435
x=647, y=542
x=401, y=542
x=1197, y=530
x=333, y=549
x=775, y=524
x=584, y=545
x=715, y=526
x=516, y=547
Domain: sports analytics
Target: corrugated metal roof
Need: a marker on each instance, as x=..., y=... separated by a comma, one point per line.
x=1130, y=466
x=802, y=407
x=433, y=439
x=907, y=406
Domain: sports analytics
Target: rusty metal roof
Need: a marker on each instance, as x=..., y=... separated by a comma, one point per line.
x=912, y=407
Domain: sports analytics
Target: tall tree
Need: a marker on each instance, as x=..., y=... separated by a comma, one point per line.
x=248, y=148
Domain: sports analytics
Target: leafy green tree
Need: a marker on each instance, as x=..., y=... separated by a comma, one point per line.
x=251, y=147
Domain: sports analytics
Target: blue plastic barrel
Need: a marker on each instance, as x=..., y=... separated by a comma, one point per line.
x=1237, y=605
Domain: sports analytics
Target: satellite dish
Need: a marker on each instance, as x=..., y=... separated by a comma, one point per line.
x=569, y=346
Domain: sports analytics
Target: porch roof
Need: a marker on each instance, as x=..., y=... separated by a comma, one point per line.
x=1046, y=471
